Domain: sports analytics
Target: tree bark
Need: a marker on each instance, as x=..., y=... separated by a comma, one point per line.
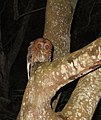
x=83, y=102
x=57, y=25
x=50, y=77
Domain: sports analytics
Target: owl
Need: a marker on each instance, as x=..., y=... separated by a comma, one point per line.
x=39, y=51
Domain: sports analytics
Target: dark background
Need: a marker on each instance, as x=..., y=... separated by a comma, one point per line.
x=86, y=27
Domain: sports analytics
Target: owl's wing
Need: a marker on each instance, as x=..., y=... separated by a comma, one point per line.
x=28, y=69
x=29, y=57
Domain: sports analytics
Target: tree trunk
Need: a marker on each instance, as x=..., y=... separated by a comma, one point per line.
x=50, y=77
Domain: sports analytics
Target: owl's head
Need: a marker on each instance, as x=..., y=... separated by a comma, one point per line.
x=40, y=50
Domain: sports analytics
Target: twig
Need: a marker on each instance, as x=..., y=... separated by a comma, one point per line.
x=16, y=11
x=30, y=12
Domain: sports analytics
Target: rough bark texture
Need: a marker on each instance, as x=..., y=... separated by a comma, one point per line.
x=50, y=77
x=57, y=25
x=85, y=97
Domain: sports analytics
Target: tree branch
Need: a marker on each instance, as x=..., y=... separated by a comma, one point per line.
x=3, y=7
x=30, y=12
x=50, y=77
x=16, y=11
x=70, y=67
x=57, y=25
x=85, y=97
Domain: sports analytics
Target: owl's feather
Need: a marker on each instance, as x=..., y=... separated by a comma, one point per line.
x=39, y=51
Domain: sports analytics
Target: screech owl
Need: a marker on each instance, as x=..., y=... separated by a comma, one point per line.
x=39, y=51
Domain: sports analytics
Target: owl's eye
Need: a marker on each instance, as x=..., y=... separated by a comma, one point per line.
x=39, y=45
x=47, y=47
